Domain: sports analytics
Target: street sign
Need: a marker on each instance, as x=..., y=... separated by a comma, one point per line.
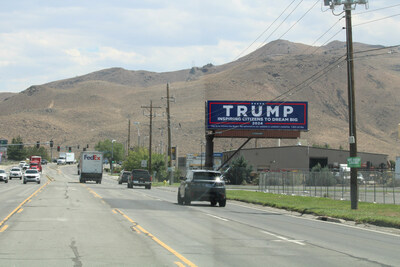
x=171, y=169
x=144, y=163
x=354, y=162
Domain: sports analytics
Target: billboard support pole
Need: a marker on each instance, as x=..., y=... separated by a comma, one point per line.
x=209, y=164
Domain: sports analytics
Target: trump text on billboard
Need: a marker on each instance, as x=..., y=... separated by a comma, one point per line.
x=256, y=115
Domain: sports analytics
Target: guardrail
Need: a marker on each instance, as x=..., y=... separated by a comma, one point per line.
x=373, y=186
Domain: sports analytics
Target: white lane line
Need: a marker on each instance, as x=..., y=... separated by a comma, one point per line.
x=298, y=242
x=216, y=217
x=315, y=220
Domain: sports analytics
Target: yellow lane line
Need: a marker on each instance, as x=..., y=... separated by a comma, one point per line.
x=22, y=203
x=180, y=264
x=20, y=210
x=50, y=178
x=91, y=191
x=158, y=241
x=3, y=228
x=135, y=229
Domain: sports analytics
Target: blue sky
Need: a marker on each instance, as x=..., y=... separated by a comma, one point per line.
x=49, y=40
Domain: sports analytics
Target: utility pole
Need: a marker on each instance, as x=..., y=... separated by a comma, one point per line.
x=348, y=6
x=150, y=130
x=129, y=136
x=171, y=177
x=352, y=109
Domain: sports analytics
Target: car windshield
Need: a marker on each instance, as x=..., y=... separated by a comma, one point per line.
x=2, y=171
x=31, y=171
x=206, y=175
x=15, y=170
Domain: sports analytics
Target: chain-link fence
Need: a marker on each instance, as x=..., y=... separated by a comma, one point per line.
x=373, y=186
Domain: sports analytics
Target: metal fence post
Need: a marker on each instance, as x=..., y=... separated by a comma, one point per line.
x=394, y=198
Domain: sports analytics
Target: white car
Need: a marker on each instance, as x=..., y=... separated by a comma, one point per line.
x=21, y=164
x=3, y=176
x=26, y=166
x=31, y=175
x=15, y=172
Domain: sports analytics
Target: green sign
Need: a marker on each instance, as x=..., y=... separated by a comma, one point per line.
x=354, y=162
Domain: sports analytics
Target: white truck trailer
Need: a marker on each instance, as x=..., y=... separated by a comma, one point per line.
x=69, y=158
x=91, y=166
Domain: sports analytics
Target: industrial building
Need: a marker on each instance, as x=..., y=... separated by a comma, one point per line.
x=302, y=158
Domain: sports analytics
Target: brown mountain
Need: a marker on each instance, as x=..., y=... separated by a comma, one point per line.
x=97, y=106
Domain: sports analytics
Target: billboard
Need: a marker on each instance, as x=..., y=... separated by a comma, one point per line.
x=256, y=115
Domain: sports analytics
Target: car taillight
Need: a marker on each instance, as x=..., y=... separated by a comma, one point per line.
x=151, y=179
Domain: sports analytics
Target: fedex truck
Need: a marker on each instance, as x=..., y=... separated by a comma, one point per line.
x=91, y=166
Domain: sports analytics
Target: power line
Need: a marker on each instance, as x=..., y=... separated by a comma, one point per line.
x=280, y=24
x=333, y=36
x=377, y=49
x=299, y=19
x=375, y=20
x=369, y=11
x=320, y=73
x=265, y=30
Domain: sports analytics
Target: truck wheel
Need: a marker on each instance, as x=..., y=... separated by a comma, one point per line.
x=6, y=181
x=180, y=199
x=213, y=202
x=148, y=186
x=187, y=199
x=24, y=182
x=222, y=203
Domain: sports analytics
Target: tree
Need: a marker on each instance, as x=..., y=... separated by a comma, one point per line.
x=34, y=151
x=16, y=152
x=239, y=171
x=109, y=149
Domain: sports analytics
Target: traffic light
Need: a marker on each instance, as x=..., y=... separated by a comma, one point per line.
x=37, y=144
x=69, y=149
x=51, y=143
x=58, y=148
x=84, y=149
x=78, y=146
x=173, y=153
x=87, y=146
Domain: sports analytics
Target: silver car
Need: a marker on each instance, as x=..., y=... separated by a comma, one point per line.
x=15, y=172
x=3, y=176
x=31, y=175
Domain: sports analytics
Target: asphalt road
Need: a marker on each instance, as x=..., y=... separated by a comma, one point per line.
x=66, y=223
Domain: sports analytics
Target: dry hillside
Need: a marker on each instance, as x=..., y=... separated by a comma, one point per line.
x=97, y=106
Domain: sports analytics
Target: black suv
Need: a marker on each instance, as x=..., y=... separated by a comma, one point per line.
x=202, y=185
x=139, y=178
